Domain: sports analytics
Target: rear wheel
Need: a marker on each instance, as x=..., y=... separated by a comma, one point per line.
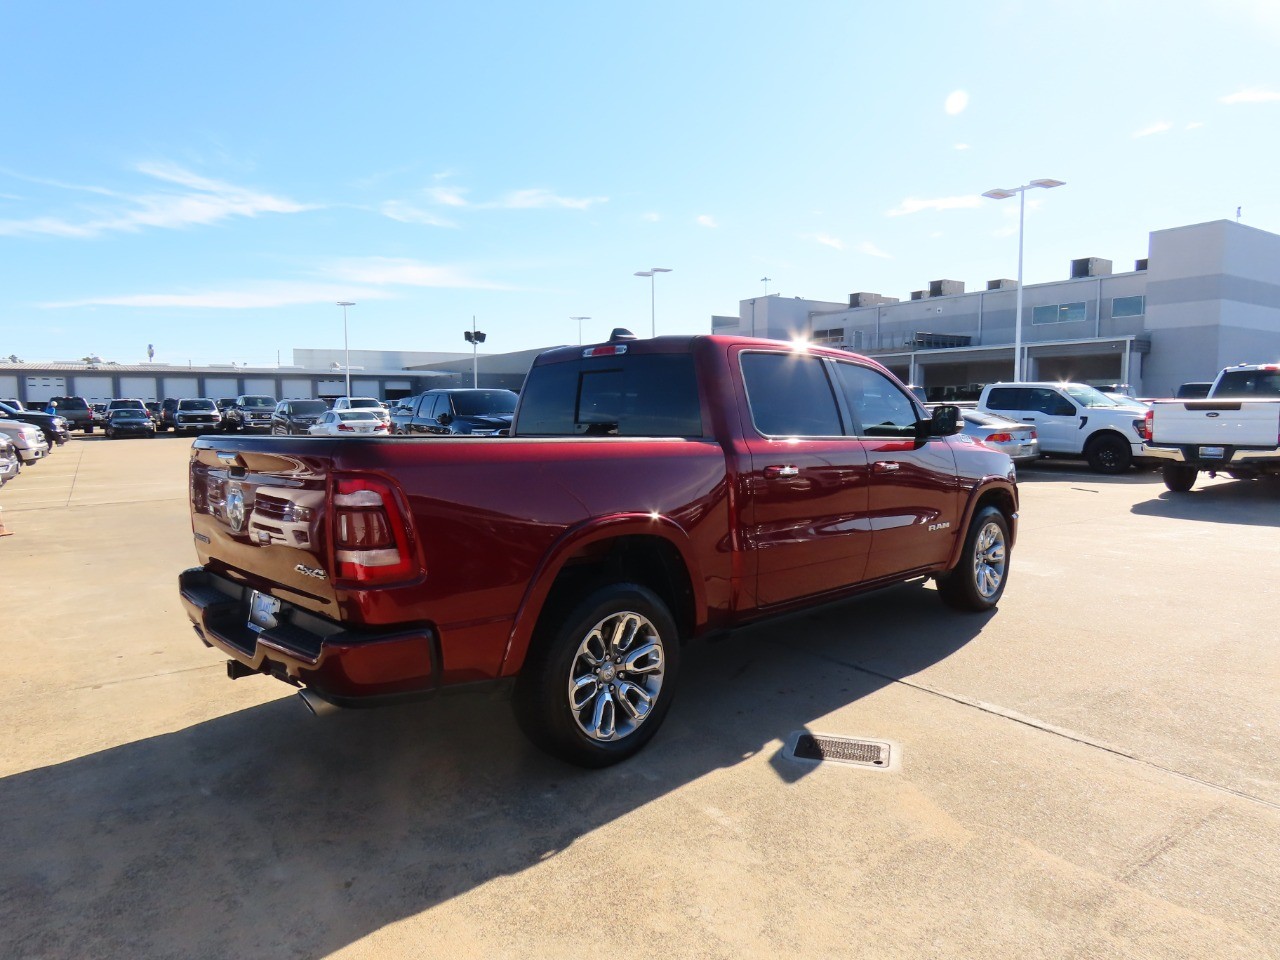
x=1109, y=455
x=1179, y=477
x=977, y=581
x=599, y=680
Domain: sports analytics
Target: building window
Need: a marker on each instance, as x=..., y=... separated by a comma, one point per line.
x=831, y=338
x=1128, y=306
x=1060, y=313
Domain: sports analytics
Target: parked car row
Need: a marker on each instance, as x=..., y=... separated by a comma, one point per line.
x=26, y=438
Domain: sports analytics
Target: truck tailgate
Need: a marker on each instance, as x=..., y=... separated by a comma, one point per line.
x=1226, y=423
x=259, y=516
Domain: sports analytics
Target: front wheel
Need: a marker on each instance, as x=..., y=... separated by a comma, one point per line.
x=977, y=581
x=1178, y=477
x=600, y=678
x=1109, y=455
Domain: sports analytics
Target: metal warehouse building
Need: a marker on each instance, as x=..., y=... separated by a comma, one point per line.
x=1205, y=297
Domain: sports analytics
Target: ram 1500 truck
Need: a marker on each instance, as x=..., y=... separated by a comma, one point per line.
x=650, y=492
x=1235, y=430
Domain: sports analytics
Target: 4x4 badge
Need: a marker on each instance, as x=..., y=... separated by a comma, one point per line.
x=311, y=572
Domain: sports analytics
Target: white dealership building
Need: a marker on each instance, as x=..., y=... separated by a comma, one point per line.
x=1205, y=297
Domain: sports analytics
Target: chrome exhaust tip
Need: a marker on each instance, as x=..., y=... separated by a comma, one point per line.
x=318, y=705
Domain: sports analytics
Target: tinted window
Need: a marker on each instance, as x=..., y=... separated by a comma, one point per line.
x=654, y=395
x=72, y=403
x=879, y=407
x=1007, y=398
x=1051, y=403
x=258, y=403
x=205, y=405
x=493, y=403
x=308, y=408
x=368, y=403
x=790, y=396
x=1249, y=383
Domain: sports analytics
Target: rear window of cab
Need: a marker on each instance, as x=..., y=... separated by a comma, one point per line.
x=622, y=395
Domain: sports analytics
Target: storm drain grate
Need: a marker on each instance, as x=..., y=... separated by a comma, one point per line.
x=817, y=748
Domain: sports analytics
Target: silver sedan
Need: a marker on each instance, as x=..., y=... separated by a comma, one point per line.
x=349, y=423
x=1017, y=439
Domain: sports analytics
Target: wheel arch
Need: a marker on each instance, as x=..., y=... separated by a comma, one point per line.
x=640, y=548
x=996, y=492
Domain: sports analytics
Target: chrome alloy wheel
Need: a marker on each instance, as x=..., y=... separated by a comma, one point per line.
x=616, y=676
x=989, y=560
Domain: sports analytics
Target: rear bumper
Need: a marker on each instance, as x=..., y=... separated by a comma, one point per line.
x=348, y=667
x=1264, y=457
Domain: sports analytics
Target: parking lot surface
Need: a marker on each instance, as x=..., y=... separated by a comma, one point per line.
x=1093, y=770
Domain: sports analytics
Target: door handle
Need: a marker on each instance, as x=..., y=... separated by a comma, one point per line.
x=773, y=472
x=886, y=466
x=1028, y=419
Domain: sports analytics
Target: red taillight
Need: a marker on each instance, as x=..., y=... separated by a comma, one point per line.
x=371, y=535
x=1147, y=423
x=380, y=426
x=346, y=428
x=1000, y=438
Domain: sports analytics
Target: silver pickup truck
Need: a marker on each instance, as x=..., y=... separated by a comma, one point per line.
x=1235, y=430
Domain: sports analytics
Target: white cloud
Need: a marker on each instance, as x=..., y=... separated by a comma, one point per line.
x=407, y=213
x=956, y=102
x=962, y=146
x=826, y=240
x=541, y=199
x=915, y=205
x=204, y=202
x=447, y=196
x=651, y=217
x=251, y=296
x=706, y=220
x=1194, y=125
x=401, y=271
x=1159, y=127
x=871, y=250
x=1251, y=95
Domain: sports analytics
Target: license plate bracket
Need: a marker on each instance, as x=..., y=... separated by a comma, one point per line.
x=264, y=611
x=1213, y=453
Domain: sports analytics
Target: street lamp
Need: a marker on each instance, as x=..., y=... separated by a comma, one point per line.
x=765, y=281
x=999, y=193
x=653, y=325
x=346, y=350
x=579, y=319
x=475, y=338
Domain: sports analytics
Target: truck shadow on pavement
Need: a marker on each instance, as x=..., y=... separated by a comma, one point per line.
x=268, y=832
x=1248, y=502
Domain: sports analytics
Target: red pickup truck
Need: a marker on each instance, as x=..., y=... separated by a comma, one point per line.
x=651, y=492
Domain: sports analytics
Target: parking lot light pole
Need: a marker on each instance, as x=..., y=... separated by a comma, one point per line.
x=650, y=273
x=346, y=350
x=579, y=319
x=475, y=338
x=1000, y=193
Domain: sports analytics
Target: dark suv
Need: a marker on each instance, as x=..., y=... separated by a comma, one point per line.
x=296, y=416
x=76, y=411
x=248, y=412
x=196, y=414
x=477, y=413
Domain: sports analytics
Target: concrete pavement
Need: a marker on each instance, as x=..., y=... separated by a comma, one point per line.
x=1092, y=770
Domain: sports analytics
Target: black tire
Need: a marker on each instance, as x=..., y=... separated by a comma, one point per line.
x=1109, y=455
x=1179, y=477
x=598, y=732
x=977, y=582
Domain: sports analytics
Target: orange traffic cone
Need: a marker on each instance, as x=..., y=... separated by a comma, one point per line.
x=3, y=531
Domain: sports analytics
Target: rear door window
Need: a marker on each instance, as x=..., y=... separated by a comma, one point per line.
x=790, y=396
x=1007, y=398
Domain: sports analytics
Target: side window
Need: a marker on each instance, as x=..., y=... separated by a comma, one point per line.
x=790, y=396
x=427, y=410
x=1007, y=398
x=1050, y=402
x=880, y=408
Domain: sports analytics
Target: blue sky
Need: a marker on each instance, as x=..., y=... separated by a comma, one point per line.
x=212, y=178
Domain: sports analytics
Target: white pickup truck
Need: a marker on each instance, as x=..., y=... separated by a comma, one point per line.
x=1235, y=430
x=1072, y=420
